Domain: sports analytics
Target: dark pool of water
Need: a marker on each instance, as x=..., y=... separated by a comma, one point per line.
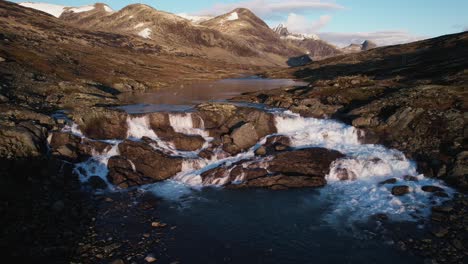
x=183, y=97
x=262, y=226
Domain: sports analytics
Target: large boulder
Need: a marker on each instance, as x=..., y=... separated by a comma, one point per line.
x=123, y=174
x=149, y=162
x=310, y=162
x=279, y=182
x=72, y=148
x=25, y=140
x=289, y=169
x=160, y=123
x=102, y=123
x=245, y=136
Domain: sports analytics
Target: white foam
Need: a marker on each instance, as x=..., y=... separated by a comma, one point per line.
x=366, y=165
x=97, y=165
x=139, y=127
x=183, y=123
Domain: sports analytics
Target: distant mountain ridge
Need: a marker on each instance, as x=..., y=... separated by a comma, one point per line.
x=364, y=46
x=237, y=36
x=311, y=44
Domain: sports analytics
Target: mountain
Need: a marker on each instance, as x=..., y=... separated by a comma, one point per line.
x=49, y=63
x=253, y=32
x=237, y=36
x=368, y=45
x=58, y=10
x=354, y=48
x=309, y=43
x=285, y=34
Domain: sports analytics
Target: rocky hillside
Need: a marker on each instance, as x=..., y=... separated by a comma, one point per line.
x=237, y=36
x=410, y=97
x=354, y=48
x=251, y=31
x=311, y=44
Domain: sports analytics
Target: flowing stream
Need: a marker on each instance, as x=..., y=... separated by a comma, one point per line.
x=294, y=226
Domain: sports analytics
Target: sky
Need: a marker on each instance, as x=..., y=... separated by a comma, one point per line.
x=340, y=22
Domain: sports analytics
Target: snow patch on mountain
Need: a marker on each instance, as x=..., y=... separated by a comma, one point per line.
x=233, y=16
x=81, y=9
x=51, y=9
x=145, y=33
x=285, y=34
x=108, y=9
x=195, y=19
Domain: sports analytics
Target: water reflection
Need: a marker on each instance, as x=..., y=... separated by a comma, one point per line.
x=183, y=97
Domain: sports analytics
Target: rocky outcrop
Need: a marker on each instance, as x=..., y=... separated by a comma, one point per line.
x=72, y=148
x=282, y=170
x=140, y=164
x=299, y=61
x=310, y=162
x=239, y=128
x=24, y=140
x=102, y=123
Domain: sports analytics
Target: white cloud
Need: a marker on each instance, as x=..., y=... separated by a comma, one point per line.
x=300, y=24
x=270, y=8
x=381, y=38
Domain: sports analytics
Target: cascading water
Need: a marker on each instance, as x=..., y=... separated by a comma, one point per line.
x=352, y=190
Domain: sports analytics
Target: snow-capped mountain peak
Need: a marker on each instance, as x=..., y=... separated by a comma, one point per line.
x=58, y=10
x=284, y=33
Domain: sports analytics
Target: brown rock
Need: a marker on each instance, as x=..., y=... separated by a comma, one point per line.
x=280, y=182
x=188, y=142
x=311, y=162
x=432, y=189
x=245, y=136
x=400, y=190
x=388, y=181
x=102, y=123
x=149, y=162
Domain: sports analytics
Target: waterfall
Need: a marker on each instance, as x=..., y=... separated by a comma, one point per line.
x=183, y=123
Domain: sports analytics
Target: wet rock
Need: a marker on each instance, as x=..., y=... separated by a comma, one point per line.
x=432, y=189
x=97, y=183
x=3, y=99
x=72, y=148
x=439, y=231
x=150, y=258
x=158, y=224
x=102, y=123
x=2, y=59
x=280, y=182
x=122, y=173
x=400, y=190
x=277, y=143
x=148, y=162
x=245, y=136
x=410, y=178
x=312, y=162
x=261, y=151
x=188, y=142
x=389, y=181
x=345, y=175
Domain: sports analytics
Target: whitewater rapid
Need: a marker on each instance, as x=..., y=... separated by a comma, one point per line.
x=354, y=199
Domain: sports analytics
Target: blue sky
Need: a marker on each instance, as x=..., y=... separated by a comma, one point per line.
x=338, y=21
